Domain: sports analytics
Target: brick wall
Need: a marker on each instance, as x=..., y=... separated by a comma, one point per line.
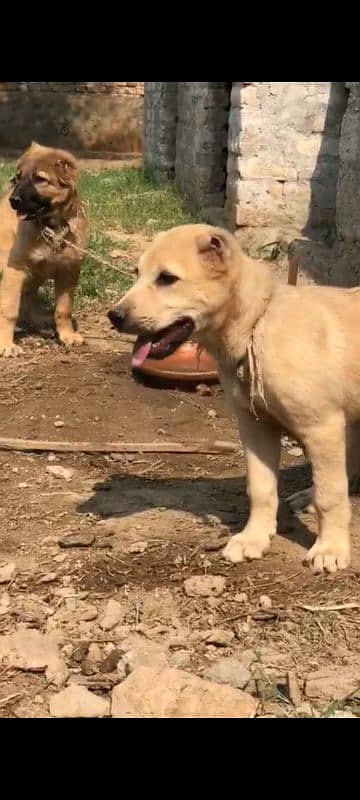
x=88, y=117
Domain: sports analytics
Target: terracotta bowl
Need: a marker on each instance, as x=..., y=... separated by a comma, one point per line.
x=188, y=364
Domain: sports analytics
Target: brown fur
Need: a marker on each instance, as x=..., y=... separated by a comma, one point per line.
x=300, y=345
x=27, y=259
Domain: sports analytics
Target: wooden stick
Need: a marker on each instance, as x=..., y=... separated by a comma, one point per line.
x=38, y=445
x=340, y=607
x=293, y=270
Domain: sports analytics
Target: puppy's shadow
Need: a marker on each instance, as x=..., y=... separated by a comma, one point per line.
x=122, y=495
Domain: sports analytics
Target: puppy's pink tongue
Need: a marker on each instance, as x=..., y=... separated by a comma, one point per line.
x=21, y=215
x=140, y=354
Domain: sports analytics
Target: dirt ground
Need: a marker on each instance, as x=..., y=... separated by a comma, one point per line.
x=152, y=521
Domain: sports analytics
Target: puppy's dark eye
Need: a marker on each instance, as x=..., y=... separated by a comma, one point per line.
x=166, y=279
x=41, y=179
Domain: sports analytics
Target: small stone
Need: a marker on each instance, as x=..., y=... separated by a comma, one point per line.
x=138, y=547
x=203, y=390
x=87, y=613
x=342, y=715
x=204, y=586
x=212, y=413
x=114, y=614
x=23, y=485
x=52, y=457
x=64, y=473
x=212, y=545
x=57, y=672
x=180, y=659
x=220, y=637
x=88, y=668
x=212, y=520
x=305, y=709
x=173, y=693
x=95, y=653
x=111, y=661
x=59, y=423
x=60, y=558
x=80, y=652
x=77, y=701
x=293, y=688
x=80, y=539
x=7, y=572
x=49, y=577
x=241, y=597
x=38, y=700
x=295, y=451
x=229, y=671
x=265, y=602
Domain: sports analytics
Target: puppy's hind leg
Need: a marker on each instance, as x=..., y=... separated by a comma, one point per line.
x=303, y=501
x=325, y=445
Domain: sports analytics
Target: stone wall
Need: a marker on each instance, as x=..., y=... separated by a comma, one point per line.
x=201, y=142
x=89, y=117
x=280, y=142
x=185, y=135
x=160, y=119
x=345, y=270
x=283, y=157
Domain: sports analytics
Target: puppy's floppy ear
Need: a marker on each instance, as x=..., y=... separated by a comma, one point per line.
x=66, y=168
x=30, y=151
x=214, y=247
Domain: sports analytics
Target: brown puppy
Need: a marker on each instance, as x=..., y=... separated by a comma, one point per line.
x=38, y=216
x=288, y=358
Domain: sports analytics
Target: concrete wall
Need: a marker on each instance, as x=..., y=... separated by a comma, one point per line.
x=83, y=117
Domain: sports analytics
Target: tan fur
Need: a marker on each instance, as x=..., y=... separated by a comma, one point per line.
x=27, y=259
x=306, y=342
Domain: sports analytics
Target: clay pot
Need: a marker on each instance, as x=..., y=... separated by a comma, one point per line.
x=188, y=364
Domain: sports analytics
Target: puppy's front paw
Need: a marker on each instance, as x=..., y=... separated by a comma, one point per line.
x=71, y=339
x=329, y=556
x=246, y=546
x=10, y=350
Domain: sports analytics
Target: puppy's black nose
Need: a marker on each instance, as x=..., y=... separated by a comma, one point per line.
x=117, y=318
x=15, y=201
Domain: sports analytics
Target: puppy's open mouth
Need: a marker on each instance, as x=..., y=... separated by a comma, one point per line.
x=163, y=343
x=27, y=215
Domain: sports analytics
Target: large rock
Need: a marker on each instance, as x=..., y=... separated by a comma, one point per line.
x=332, y=683
x=28, y=650
x=77, y=701
x=149, y=692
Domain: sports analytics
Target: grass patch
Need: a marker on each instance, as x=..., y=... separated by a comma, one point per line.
x=121, y=203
